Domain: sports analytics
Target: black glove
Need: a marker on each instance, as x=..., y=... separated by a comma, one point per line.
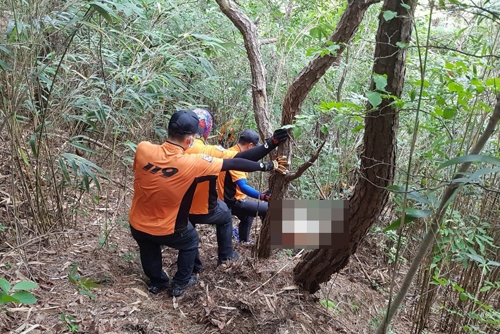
x=265, y=195
x=279, y=165
x=279, y=136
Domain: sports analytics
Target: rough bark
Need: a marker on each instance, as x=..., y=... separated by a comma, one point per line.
x=300, y=88
x=378, y=159
x=252, y=45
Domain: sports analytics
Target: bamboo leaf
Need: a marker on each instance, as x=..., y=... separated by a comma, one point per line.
x=4, y=66
x=471, y=158
x=411, y=215
x=105, y=11
x=477, y=258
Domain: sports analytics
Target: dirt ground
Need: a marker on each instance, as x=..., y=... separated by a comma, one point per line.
x=247, y=296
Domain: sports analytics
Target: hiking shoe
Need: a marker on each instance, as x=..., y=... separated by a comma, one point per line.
x=157, y=289
x=178, y=290
x=234, y=256
x=236, y=234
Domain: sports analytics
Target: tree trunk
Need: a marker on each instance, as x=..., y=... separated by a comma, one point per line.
x=378, y=159
x=252, y=45
x=298, y=91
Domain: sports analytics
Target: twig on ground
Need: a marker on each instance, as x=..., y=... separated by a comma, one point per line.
x=286, y=265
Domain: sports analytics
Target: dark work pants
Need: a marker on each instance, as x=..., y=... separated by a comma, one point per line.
x=221, y=217
x=185, y=240
x=246, y=211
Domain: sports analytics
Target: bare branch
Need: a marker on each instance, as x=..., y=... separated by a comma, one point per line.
x=302, y=168
x=248, y=30
x=459, y=51
x=268, y=41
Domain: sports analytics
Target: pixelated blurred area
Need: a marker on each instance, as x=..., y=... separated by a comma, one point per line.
x=310, y=224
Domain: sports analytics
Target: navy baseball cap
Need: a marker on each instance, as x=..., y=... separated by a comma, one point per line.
x=183, y=122
x=250, y=136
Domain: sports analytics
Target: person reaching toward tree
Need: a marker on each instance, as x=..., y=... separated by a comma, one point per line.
x=206, y=207
x=165, y=178
x=233, y=190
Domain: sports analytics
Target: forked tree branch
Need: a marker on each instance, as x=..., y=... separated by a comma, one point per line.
x=248, y=30
x=302, y=168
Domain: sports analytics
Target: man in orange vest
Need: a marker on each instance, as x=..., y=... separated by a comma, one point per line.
x=206, y=207
x=233, y=189
x=165, y=178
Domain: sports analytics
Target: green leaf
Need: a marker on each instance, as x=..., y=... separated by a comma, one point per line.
x=25, y=297
x=455, y=87
x=105, y=11
x=401, y=45
x=477, y=258
x=312, y=51
x=411, y=215
x=64, y=170
x=389, y=15
x=4, y=66
x=471, y=158
x=413, y=95
x=5, y=298
x=374, y=98
x=396, y=188
x=485, y=288
x=81, y=146
x=476, y=175
x=87, y=293
x=4, y=285
x=296, y=132
x=89, y=283
x=493, y=263
x=32, y=142
x=405, y=6
x=23, y=154
x=449, y=112
x=463, y=296
x=83, y=166
x=380, y=81
x=7, y=51
x=328, y=304
x=25, y=285
x=357, y=128
x=493, y=82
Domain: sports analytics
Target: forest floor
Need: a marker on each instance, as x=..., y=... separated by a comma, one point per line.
x=247, y=296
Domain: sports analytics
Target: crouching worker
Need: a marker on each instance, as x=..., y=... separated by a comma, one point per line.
x=207, y=208
x=233, y=189
x=165, y=178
